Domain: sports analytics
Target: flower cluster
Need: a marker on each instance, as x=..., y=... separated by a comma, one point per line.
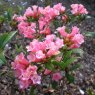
x=73, y=39
x=78, y=9
x=40, y=51
x=26, y=73
x=46, y=44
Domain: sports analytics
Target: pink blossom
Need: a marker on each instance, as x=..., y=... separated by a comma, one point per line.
x=78, y=9
x=46, y=72
x=59, y=43
x=59, y=7
x=21, y=59
x=24, y=84
x=46, y=31
x=65, y=18
x=26, y=30
x=73, y=39
x=36, y=79
x=40, y=55
x=62, y=31
x=52, y=52
x=35, y=11
x=56, y=76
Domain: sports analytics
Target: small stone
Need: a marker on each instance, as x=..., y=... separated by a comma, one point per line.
x=81, y=91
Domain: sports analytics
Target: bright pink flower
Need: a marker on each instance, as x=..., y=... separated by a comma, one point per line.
x=62, y=31
x=20, y=59
x=50, y=38
x=73, y=39
x=52, y=52
x=22, y=27
x=36, y=79
x=65, y=18
x=30, y=71
x=29, y=12
x=27, y=30
x=24, y=84
x=46, y=72
x=35, y=11
x=40, y=55
x=46, y=31
x=19, y=18
x=78, y=9
x=56, y=76
x=59, y=7
x=59, y=43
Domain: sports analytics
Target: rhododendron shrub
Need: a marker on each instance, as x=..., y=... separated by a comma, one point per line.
x=51, y=44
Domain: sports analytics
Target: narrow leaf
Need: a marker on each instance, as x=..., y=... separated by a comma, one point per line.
x=70, y=78
x=5, y=38
x=2, y=58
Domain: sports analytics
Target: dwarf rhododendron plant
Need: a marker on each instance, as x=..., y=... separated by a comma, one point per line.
x=51, y=43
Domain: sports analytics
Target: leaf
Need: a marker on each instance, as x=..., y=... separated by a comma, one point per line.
x=90, y=34
x=67, y=55
x=2, y=58
x=74, y=67
x=5, y=38
x=49, y=66
x=32, y=90
x=70, y=78
x=68, y=62
x=78, y=51
x=54, y=84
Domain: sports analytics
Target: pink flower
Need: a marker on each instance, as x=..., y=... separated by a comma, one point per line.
x=30, y=71
x=20, y=59
x=65, y=18
x=24, y=84
x=52, y=52
x=36, y=79
x=50, y=38
x=73, y=39
x=62, y=31
x=40, y=55
x=46, y=72
x=19, y=18
x=56, y=76
x=27, y=30
x=46, y=31
x=35, y=11
x=78, y=9
x=59, y=43
x=28, y=12
x=59, y=7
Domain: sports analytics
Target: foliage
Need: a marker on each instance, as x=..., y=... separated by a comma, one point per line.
x=4, y=39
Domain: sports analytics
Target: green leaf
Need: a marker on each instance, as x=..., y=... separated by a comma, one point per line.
x=70, y=78
x=55, y=62
x=32, y=90
x=78, y=51
x=54, y=84
x=90, y=34
x=90, y=92
x=67, y=55
x=75, y=67
x=68, y=62
x=2, y=58
x=5, y=38
x=49, y=66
